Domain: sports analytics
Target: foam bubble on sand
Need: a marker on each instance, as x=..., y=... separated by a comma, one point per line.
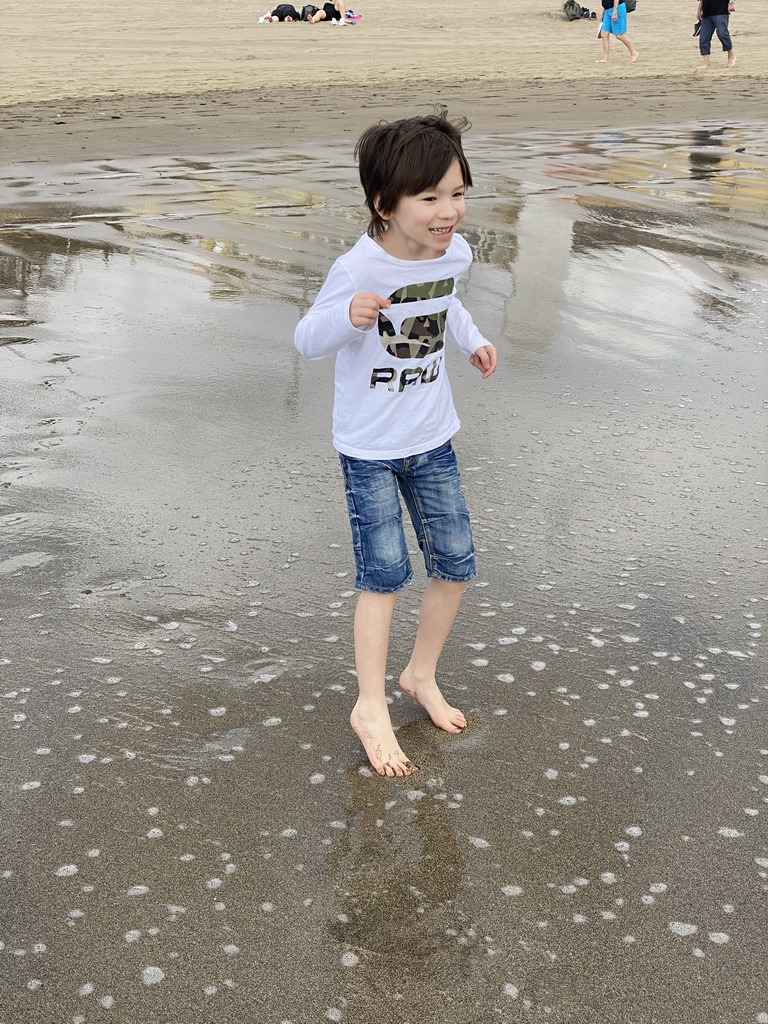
x=480, y=844
x=680, y=928
x=152, y=975
x=66, y=870
x=137, y=890
x=719, y=938
x=350, y=959
x=511, y=890
x=511, y=990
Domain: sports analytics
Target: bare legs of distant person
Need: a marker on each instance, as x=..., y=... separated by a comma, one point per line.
x=605, y=38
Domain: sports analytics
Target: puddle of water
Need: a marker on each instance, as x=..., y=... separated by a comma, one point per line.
x=177, y=666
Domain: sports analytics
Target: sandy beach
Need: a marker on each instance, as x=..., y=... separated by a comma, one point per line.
x=190, y=831
x=110, y=79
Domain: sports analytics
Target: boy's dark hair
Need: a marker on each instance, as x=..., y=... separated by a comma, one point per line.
x=403, y=158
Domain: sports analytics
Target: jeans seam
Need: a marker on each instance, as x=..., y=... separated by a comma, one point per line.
x=357, y=539
x=424, y=530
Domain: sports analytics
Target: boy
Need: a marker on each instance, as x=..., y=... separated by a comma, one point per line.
x=386, y=309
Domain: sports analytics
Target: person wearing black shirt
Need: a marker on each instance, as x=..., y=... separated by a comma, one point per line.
x=614, y=23
x=284, y=12
x=713, y=15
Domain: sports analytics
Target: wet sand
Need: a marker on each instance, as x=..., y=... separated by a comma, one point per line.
x=190, y=831
x=215, y=121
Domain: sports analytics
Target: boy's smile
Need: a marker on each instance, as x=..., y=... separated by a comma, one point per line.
x=421, y=226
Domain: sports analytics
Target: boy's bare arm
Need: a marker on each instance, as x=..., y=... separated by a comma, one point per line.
x=484, y=358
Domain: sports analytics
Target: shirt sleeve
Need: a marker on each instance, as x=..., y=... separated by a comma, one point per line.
x=326, y=328
x=460, y=329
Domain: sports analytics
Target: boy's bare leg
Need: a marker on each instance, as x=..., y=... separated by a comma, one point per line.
x=370, y=715
x=731, y=59
x=438, y=610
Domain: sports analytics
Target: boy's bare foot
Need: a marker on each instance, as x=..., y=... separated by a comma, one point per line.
x=377, y=736
x=434, y=703
x=633, y=56
x=603, y=60
x=731, y=63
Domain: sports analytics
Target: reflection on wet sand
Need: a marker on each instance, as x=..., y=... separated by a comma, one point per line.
x=192, y=833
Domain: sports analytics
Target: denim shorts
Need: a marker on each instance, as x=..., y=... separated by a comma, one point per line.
x=431, y=488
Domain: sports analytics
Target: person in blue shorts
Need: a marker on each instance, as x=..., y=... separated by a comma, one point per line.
x=615, y=24
x=389, y=313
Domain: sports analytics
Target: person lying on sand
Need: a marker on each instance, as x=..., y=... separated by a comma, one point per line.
x=283, y=12
x=335, y=11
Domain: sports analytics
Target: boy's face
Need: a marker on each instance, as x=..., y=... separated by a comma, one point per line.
x=421, y=226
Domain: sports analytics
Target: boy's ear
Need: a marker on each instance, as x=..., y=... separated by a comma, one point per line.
x=377, y=208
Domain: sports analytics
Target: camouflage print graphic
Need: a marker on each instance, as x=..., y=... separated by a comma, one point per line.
x=430, y=290
x=419, y=336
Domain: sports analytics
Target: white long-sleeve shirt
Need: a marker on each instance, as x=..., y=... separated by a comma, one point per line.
x=392, y=394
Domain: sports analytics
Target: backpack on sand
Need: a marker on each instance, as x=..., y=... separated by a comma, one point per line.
x=572, y=10
x=630, y=5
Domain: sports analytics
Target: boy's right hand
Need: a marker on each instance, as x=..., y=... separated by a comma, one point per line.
x=364, y=308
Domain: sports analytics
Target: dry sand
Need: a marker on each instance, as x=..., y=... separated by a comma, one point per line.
x=98, y=77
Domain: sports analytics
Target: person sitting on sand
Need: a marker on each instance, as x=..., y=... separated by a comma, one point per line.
x=283, y=12
x=330, y=12
x=615, y=24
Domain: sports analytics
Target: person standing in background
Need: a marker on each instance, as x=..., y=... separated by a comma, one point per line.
x=713, y=16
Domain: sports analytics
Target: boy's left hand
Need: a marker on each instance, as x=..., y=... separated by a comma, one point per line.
x=484, y=359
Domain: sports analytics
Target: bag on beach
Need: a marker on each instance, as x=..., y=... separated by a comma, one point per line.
x=308, y=10
x=572, y=10
x=630, y=5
